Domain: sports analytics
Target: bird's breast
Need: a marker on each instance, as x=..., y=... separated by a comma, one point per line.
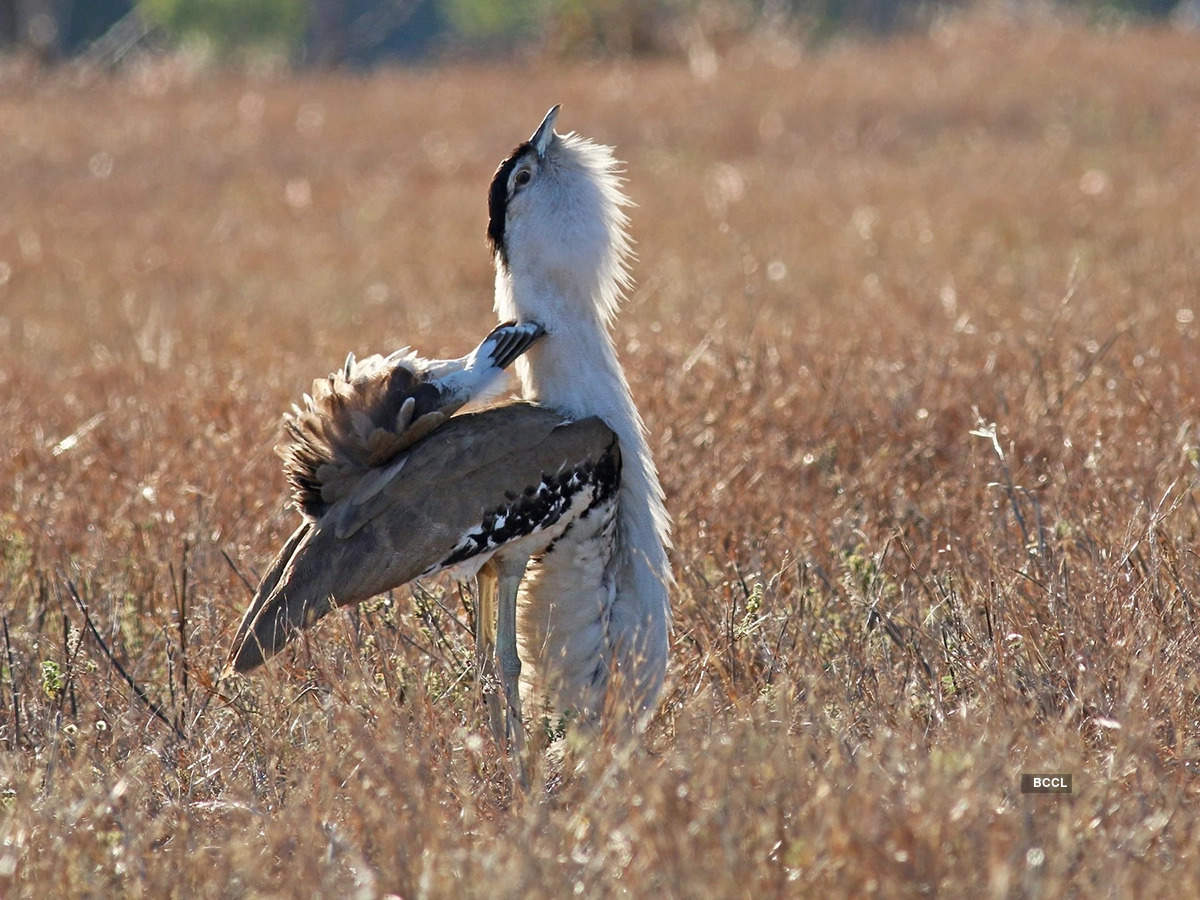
x=563, y=612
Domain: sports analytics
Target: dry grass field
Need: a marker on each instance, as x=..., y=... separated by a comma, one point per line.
x=855, y=268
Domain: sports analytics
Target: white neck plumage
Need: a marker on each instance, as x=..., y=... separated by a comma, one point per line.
x=574, y=369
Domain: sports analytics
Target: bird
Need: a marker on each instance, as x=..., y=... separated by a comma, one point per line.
x=553, y=502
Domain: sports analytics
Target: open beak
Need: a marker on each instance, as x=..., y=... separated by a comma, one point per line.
x=545, y=132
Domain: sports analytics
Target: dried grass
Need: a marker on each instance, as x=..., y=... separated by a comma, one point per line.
x=854, y=270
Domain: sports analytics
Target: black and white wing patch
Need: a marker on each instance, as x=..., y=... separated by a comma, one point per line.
x=539, y=508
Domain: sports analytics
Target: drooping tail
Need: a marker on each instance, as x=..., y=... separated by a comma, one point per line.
x=255, y=640
x=315, y=573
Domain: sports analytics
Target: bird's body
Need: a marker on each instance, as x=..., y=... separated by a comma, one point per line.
x=554, y=503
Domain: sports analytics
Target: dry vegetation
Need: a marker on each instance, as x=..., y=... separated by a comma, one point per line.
x=852, y=266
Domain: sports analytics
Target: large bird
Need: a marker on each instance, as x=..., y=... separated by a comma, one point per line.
x=554, y=502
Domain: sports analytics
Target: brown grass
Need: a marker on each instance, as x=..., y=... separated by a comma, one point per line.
x=851, y=266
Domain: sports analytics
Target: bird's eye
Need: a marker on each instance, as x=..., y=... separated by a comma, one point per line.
x=522, y=178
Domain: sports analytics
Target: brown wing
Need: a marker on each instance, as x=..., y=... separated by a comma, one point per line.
x=417, y=513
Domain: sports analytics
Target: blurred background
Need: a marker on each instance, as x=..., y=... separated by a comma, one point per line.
x=360, y=33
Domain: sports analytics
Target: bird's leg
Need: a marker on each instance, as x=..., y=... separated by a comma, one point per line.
x=485, y=646
x=511, y=570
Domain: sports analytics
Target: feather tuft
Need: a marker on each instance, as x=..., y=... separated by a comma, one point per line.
x=354, y=420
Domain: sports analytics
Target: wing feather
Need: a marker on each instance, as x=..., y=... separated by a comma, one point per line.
x=392, y=524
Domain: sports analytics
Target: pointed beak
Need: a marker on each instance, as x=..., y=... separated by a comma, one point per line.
x=545, y=132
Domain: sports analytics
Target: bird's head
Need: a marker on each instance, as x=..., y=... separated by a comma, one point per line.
x=555, y=218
